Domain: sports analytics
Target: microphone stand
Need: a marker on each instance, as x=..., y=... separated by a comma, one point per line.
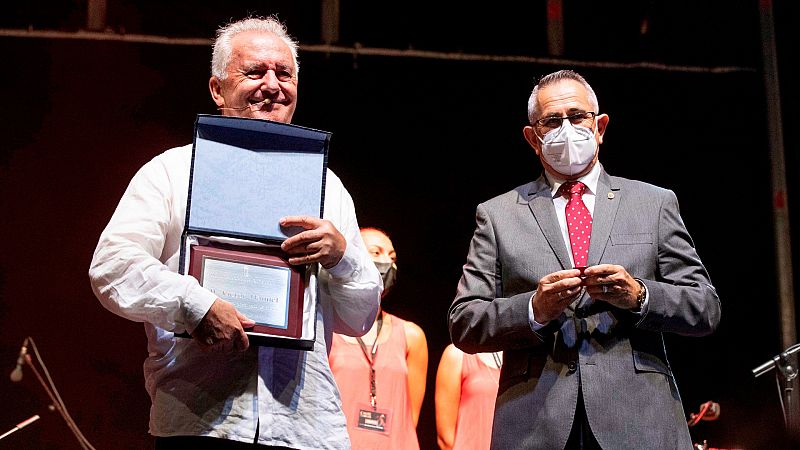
x=55, y=398
x=786, y=376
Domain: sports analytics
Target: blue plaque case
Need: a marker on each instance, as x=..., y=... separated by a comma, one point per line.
x=245, y=175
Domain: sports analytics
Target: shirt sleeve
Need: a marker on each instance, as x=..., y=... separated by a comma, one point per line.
x=353, y=286
x=131, y=273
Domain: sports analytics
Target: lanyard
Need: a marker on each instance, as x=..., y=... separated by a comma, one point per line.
x=373, y=392
x=497, y=360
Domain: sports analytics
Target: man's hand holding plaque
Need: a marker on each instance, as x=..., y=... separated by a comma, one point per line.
x=319, y=242
x=223, y=328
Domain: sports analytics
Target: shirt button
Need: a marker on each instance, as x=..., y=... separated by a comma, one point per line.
x=572, y=366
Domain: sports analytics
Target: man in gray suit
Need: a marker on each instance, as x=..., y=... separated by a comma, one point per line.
x=576, y=276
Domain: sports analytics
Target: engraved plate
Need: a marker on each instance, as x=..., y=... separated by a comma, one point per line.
x=258, y=281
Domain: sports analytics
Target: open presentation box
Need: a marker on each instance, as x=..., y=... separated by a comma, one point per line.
x=245, y=175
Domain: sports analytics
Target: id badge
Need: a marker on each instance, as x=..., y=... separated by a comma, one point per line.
x=374, y=419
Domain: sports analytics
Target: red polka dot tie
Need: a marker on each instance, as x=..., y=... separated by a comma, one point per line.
x=579, y=222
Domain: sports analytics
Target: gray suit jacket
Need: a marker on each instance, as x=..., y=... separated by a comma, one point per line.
x=616, y=357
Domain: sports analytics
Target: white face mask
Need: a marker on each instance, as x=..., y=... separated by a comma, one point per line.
x=569, y=149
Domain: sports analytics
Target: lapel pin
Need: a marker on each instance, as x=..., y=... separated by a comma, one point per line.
x=610, y=195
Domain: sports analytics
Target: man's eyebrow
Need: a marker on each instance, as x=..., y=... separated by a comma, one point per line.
x=576, y=110
x=569, y=112
x=263, y=66
x=253, y=66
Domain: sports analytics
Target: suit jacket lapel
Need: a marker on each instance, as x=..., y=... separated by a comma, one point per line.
x=540, y=201
x=606, y=204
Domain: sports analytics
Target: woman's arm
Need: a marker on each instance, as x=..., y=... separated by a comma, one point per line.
x=417, y=362
x=448, y=396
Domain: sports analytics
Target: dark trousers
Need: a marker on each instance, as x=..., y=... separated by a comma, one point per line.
x=581, y=437
x=207, y=443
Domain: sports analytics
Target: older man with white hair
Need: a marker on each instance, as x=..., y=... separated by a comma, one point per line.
x=216, y=390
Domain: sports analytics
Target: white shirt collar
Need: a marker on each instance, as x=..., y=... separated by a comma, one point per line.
x=590, y=180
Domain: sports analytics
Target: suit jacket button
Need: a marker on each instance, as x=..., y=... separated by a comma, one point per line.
x=572, y=366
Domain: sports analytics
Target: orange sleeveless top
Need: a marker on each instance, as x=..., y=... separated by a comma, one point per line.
x=479, y=384
x=352, y=373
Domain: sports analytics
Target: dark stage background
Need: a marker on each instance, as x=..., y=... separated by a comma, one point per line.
x=419, y=143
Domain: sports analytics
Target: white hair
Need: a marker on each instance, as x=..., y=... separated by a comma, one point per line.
x=553, y=78
x=221, y=51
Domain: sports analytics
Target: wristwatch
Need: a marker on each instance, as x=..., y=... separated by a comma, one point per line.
x=642, y=295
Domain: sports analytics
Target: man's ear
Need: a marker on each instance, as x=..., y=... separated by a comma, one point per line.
x=215, y=87
x=602, y=123
x=533, y=140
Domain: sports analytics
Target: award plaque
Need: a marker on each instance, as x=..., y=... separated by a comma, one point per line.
x=258, y=282
x=245, y=175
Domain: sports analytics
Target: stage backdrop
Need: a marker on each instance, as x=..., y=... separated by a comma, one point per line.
x=419, y=143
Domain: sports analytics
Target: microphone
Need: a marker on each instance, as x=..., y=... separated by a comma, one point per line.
x=250, y=106
x=16, y=374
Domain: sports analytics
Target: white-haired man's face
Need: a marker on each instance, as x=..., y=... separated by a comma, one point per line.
x=261, y=79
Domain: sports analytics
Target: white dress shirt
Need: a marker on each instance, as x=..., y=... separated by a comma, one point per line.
x=272, y=396
x=560, y=204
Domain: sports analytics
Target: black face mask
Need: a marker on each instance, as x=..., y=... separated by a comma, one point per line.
x=388, y=272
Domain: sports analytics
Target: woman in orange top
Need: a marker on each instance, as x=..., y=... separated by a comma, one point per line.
x=381, y=376
x=466, y=389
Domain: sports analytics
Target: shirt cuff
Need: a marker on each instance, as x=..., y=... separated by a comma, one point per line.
x=535, y=326
x=347, y=267
x=196, y=309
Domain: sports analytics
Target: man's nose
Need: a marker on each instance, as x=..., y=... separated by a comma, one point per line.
x=269, y=82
